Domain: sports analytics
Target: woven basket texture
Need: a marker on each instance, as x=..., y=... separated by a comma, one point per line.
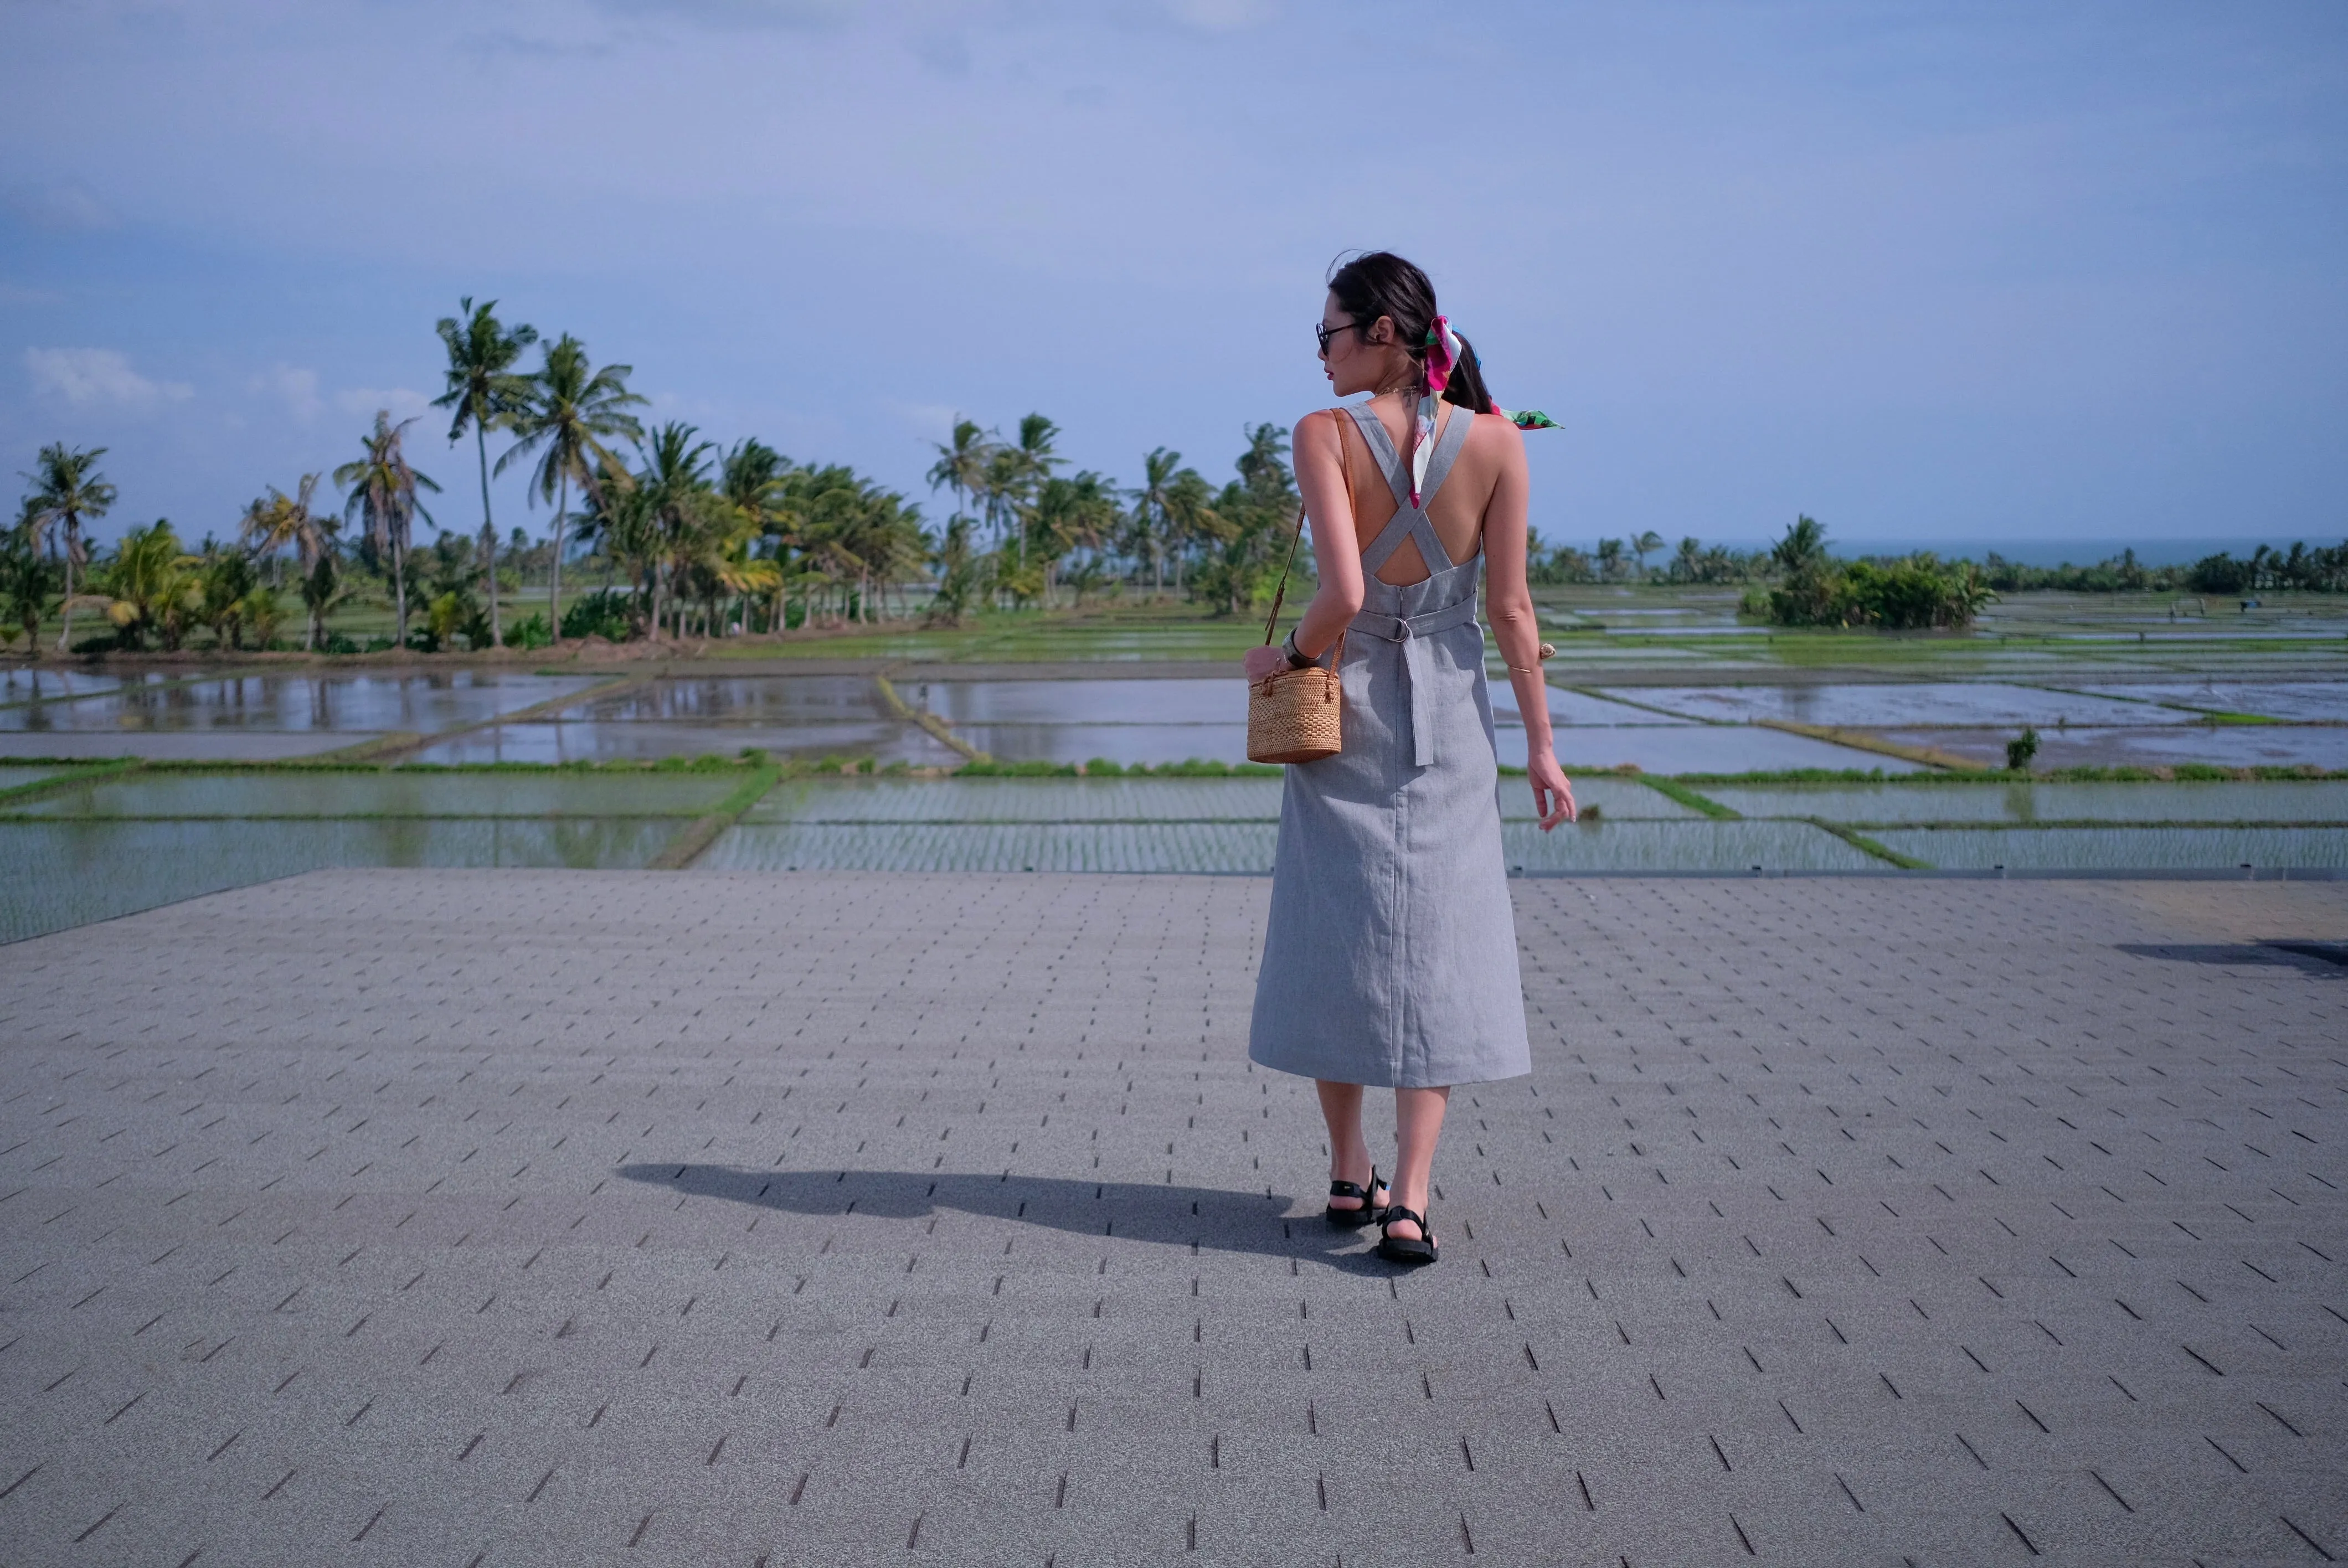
x=1292, y=716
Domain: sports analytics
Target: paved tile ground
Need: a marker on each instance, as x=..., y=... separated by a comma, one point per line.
x=478, y=1218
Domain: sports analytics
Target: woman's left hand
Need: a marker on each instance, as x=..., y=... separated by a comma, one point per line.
x=1264, y=661
x=1552, y=792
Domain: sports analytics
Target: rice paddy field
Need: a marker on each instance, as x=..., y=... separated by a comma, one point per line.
x=2173, y=738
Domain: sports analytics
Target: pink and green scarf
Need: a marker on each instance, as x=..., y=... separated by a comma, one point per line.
x=1442, y=358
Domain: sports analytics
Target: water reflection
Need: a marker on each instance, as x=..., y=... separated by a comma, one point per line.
x=354, y=704
x=1934, y=703
x=397, y=793
x=765, y=699
x=593, y=741
x=57, y=875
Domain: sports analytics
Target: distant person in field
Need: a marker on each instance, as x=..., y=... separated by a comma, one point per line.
x=1391, y=958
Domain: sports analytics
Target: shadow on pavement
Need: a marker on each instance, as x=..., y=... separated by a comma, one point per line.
x=1195, y=1218
x=2289, y=954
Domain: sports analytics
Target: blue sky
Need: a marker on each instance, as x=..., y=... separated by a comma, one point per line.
x=2006, y=273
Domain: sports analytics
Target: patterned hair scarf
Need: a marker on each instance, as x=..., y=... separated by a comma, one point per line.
x=1442, y=358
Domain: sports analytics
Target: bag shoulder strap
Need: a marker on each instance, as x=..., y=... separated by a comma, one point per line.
x=1280, y=594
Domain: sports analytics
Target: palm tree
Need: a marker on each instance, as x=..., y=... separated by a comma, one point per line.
x=485, y=391
x=1190, y=517
x=67, y=489
x=153, y=584
x=269, y=526
x=322, y=589
x=1152, y=523
x=573, y=413
x=27, y=583
x=1073, y=514
x=1805, y=543
x=1645, y=544
x=755, y=480
x=676, y=483
x=383, y=491
x=962, y=462
x=618, y=523
x=1030, y=464
x=1610, y=559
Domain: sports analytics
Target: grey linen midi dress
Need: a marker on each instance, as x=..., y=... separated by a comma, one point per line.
x=1391, y=958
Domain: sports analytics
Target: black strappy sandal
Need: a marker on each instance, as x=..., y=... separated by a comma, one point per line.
x=1411, y=1252
x=1353, y=1219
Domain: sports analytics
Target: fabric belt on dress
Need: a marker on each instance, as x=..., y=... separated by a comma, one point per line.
x=1411, y=631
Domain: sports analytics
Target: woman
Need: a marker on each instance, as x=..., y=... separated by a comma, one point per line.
x=1392, y=954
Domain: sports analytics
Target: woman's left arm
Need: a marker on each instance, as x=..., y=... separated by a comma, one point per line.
x=1514, y=628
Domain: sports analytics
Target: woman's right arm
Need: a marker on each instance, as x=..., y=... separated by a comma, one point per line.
x=1507, y=543
x=1320, y=462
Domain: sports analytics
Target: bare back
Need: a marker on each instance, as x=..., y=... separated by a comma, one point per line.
x=1456, y=510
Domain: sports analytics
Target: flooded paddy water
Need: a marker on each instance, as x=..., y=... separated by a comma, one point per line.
x=804, y=717
x=2123, y=849
x=60, y=873
x=2310, y=801
x=385, y=793
x=13, y=775
x=100, y=813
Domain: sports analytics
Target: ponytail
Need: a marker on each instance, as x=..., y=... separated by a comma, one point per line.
x=1467, y=384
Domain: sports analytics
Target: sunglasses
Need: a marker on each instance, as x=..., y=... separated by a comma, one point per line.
x=1324, y=331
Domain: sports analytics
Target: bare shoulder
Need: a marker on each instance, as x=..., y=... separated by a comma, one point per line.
x=1496, y=431
x=1494, y=440
x=1317, y=432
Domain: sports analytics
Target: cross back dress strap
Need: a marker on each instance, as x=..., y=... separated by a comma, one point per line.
x=1410, y=522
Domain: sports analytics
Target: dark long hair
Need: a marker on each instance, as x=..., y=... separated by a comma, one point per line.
x=1381, y=283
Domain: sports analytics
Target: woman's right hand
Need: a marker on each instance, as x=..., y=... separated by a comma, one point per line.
x=1552, y=791
x=1264, y=661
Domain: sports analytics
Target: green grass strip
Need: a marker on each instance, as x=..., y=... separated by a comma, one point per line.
x=2071, y=823
x=1671, y=789
x=928, y=721
x=66, y=780
x=686, y=846
x=1860, y=841
x=2180, y=773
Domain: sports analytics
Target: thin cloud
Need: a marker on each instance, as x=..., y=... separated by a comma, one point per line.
x=399, y=401
x=64, y=206
x=297, y=386
x=1220, y=15
x=930, y=421
x=87, y=376
x=744, y=13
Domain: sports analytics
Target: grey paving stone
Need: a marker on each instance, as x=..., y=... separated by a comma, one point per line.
x=423, y=1217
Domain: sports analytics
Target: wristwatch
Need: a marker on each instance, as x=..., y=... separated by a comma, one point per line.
x=1297, y=659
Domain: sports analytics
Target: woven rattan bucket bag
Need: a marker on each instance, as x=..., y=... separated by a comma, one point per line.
x=1294, y=715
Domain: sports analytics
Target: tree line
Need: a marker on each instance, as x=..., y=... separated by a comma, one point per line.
x=1905, y=593
x=687, y=536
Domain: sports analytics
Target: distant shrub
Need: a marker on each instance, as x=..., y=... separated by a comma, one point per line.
x=605, y=613
x=529, y=631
